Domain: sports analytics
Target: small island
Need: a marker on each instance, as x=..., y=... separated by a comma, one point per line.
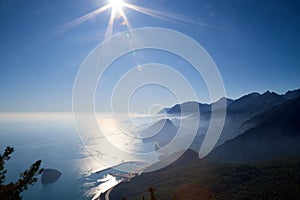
x=50, y=176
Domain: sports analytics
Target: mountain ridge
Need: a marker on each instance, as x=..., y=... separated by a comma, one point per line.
x=290, y=94
x=259, y=156
x=275, y=133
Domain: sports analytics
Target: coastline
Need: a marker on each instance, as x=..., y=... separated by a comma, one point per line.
x=107, y=193
x=115, y=176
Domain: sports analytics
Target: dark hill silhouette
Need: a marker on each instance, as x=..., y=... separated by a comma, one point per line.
x=189, y=108
x=161, y=132
x=292, y=94
x=250, y=103
x=192, y=178
x=258, y=128
x=255, y=103
x=243, y=109
x=276, y=133
x=238, y=115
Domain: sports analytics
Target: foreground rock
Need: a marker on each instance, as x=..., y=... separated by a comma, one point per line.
x=50, y=176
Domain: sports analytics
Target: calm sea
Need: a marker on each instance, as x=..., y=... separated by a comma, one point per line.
x=52, y=137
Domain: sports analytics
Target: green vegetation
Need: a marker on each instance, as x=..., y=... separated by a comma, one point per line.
x=209, y=179
x=12, y=191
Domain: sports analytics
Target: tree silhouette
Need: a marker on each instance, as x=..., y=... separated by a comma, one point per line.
x=12, y=191
x=152, y=195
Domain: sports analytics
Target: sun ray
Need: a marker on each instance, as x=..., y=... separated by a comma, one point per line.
x=110, y=25
x=145, y=11
x=117, y=10
x=125, y=19
x=167, y=16
x=82, y=19
x=117, y=6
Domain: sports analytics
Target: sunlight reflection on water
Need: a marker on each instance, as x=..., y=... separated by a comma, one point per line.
x=52, y=138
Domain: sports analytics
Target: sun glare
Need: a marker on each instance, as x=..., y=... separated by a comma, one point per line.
x=116, y=4
x=117, y=13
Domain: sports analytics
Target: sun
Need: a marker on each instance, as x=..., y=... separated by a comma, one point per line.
x=116, y=4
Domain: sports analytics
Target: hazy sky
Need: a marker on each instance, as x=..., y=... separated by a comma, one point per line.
x=255, y=44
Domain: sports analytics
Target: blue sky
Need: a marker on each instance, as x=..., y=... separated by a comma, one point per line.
x=255, y=44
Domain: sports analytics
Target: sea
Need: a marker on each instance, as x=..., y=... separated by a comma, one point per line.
x=53, y=138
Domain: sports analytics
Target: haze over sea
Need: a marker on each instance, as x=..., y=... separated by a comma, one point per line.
x=51, y=137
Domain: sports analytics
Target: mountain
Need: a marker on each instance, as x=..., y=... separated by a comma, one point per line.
x=238, y=113
x=161, y=132
x=192, y=178
x=243, y=109
x=189, y=108
x=292, y=94
x=250, y=104
x=257, y=156
x=275, y=133
x=255, y=103
x=221, y=102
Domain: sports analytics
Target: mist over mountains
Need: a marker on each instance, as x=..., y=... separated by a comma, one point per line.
x=165, y=130
x=257, y=126
x=275, y=133
x=256, y=157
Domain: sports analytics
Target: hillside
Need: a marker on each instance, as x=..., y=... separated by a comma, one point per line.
x=191, y=178
x=276, y=133
x=161, y=132
x=261, y=160
x=239, y=114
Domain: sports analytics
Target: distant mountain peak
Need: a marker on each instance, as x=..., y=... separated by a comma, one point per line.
x=166, y=121
x=268, y=93
x=227, y=100
x=275, y=133
x=188, y=107
x=162, y=123
x=192, y=103
x=292, y=94
x=251, y=95
x=252, y=102
x=160, y=132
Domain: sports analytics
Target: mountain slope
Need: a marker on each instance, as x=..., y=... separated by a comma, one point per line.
x=162, y=132
x=238, y=115
x=255, y=103
x=189, y=108
x=265, y=127
x=292, y=94
x=276, y=133
x=192, y=178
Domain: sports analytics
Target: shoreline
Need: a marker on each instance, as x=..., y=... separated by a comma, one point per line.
x=108, y=192
x=117, y=174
